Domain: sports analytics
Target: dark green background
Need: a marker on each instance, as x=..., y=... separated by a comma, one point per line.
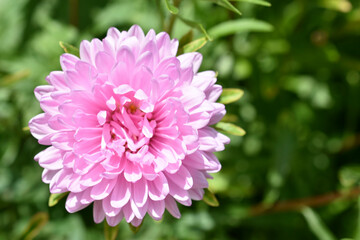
x=300, y=111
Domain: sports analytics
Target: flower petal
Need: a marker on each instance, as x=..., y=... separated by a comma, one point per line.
x=140, y=192
x=73, y=203
x=172, y=207
x=99, y=213
x=102, y=189
x=121, y=193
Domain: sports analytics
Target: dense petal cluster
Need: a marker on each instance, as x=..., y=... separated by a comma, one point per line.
x=127, y=126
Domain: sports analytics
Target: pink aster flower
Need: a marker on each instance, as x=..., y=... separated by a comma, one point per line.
x=128, y=127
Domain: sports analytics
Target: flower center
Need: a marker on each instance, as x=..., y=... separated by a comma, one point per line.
x=126, y=128
x=132, y=108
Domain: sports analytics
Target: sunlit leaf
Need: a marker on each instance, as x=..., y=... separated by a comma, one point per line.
x=258, y=2
x=195, y=45
x=316, y=225
x=338, y=5
x=13, y=78
x=226, y=4
x=196, y=25
x=36, y=223
x=349, y=175
x=210, y=198
x=230, y=128
x=239, y=26
x=110, y=232
x=135, y=229
x=68, y=48
x=172, y=9
x=55, y=198
x=230, y=95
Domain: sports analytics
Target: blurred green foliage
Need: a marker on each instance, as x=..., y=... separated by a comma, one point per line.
x=298, y=63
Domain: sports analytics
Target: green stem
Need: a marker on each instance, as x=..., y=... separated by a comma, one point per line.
x=110, y=233
x=170, y=26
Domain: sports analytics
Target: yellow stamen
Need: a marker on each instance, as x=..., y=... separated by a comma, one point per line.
x=132, y=108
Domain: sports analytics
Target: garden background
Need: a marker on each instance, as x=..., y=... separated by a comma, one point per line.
x=298, y=63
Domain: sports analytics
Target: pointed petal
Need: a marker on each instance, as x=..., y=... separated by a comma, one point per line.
x=172, y=207
x=98, y=212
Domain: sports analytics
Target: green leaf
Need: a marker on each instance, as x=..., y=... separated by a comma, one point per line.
x=195, y=45
x=55, y=198
x=110, y=232
x=36, y=223
x=349, y=175
x=239, y=26
x=135, y=229
x=226, y=4
x=316, y=225
x=68, y=48
x=172, y=9
x=26, y=129
x=196, y=25
x=210, y=198
x=258, y=2
x=186, y=38
x=230, y=118
x=338, y=5
x=230, y=95
x=14, y=78
x=230, y=128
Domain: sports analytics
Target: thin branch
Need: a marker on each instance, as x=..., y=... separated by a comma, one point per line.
x=297, y=204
